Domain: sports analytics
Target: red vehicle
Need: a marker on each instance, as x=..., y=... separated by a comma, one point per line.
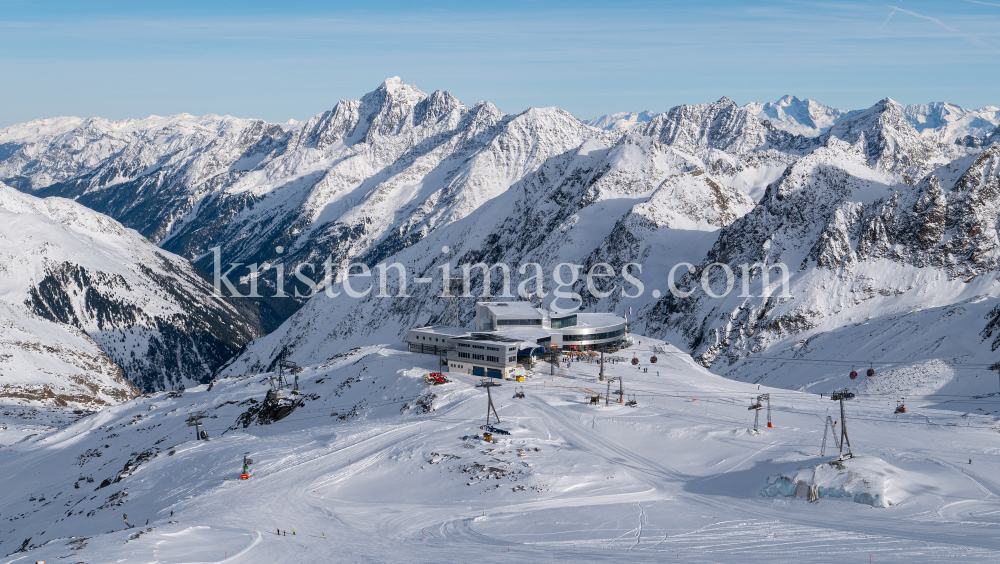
x=435, y=378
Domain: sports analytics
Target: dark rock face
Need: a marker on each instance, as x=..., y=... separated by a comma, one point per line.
x=154, y=351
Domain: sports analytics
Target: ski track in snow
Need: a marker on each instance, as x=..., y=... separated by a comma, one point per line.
x=677, y=479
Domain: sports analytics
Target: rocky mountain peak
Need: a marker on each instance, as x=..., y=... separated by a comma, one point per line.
x=890, y=141
x=725, y=102
x=395, y=88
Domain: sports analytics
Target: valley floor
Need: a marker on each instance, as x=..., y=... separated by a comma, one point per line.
x=678, y=477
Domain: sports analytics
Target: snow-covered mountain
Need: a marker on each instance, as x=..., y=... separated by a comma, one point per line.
x=801, y=117
x=889, y=141
x=947, y=123
x=940, y=122
x=620, y=120
x=558, y=213
x=87, y=301
x=870, y=188
x=400, y=175
x=882, y=271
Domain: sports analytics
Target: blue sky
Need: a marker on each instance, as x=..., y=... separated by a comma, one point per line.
x=294, y=59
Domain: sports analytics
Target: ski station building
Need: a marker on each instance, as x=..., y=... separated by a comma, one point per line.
x=509, y=332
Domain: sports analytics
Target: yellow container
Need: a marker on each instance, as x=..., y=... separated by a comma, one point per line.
x=520, y=378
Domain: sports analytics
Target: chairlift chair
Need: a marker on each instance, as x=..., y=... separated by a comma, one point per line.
x=631, y=401
x=900, y=408
x=519, y=392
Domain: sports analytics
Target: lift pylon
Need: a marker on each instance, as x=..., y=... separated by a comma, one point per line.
x=840, y=396
x=620, y=391
x=194, y=420
x=486, y=383
x=755, y=406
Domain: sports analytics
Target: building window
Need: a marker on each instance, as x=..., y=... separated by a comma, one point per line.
x=521, y=321
x=463, y=355
x=511, y=359
x=564, y=322
x=594, y=337
x=493, y=358
x=477, y=357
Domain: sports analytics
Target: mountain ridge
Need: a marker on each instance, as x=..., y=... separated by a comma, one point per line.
x=401, y=174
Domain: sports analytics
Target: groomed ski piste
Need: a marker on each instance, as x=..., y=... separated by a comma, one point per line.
x=375, y=465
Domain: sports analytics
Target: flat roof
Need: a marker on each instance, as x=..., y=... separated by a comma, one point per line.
x=596, y=320
x=524, y=332
x=489, y=338
x=524, y=309
x=443, y=330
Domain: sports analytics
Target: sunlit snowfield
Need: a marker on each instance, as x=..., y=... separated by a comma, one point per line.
x=678, y=477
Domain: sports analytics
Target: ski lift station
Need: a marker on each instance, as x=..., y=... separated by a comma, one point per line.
x=511, y=332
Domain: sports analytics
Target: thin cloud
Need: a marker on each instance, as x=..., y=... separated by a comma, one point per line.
x=928, y=18
x=892, y=13
x=983, y=3
x=975, y=40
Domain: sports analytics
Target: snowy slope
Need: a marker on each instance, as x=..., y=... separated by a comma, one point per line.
x=45, y=363
x=76, y=280
x=370, y=468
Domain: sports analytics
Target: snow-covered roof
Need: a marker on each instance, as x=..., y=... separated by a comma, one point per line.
x=444, y=330
x=524, y=333
x=596, y=320
x=513, y=309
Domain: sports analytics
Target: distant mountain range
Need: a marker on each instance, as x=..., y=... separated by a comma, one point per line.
x=866, y=208
x=938, y=121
